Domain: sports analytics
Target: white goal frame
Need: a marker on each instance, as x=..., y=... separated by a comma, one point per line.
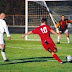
x=26, y=15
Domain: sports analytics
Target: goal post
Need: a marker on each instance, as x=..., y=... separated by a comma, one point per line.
x=37, y=9
x=39, y=16
x=26, y=18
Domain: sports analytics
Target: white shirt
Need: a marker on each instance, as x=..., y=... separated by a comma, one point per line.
x=4, y=27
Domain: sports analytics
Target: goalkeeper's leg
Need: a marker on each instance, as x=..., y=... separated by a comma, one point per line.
x=58, y=41
x=68, y=39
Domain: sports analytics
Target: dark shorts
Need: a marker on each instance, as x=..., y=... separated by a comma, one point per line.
x=62, y=30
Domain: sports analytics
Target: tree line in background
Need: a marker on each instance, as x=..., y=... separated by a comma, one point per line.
x=12, y=7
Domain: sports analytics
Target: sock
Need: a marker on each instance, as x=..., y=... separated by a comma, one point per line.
x=68, y=39
x=59, y=38
x=3, y=55
x=1, y=48
x=57, y=58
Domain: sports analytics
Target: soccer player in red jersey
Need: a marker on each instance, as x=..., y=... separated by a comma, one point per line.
x=44, y=32
x=63, y=28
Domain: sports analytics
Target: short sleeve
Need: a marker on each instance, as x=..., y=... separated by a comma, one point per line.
x=35, y=31
x=49, y=28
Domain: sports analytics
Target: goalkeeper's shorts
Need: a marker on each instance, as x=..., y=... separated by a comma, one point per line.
x=63, y=31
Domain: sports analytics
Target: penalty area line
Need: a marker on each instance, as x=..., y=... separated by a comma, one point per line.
x=32, y=48
x=22, y=47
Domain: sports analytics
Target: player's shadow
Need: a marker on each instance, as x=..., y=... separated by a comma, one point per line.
x=35, y=58
x=28, y=60
x=70, y=61
x=67, y=62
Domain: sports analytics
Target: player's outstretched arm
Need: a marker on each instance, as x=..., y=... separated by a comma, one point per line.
x=27, y=34
x=69, y=21
x=55, y=33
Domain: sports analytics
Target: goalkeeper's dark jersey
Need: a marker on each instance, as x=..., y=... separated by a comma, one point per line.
x=62, y=25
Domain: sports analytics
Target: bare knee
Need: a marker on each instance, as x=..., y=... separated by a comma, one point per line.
x=3, y=46
x=67, y=34
x=49, y=50
x=52, y=52
x=55, y=50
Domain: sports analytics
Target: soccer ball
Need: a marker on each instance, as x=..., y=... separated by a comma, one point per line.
x=68, y=58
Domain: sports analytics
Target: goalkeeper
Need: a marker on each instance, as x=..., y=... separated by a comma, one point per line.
x=63, y=28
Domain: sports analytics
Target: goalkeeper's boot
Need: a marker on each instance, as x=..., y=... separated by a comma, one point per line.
x=58, y=42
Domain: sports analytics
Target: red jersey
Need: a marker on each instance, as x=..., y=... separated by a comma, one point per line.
x=44, y=32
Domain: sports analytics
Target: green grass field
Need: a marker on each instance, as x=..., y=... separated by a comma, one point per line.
x=30, y=56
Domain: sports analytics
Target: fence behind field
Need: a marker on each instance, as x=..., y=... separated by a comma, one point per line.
x=15, y=20
x=16, y=23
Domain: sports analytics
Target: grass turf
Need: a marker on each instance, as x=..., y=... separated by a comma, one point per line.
x=30, y=56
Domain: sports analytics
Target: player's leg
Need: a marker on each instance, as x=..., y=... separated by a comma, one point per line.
x=58, y=41
x=68, y=39
x=67, y=34
x=3, y=52
x=2, y=46
x=52, y=49
x=55, y=55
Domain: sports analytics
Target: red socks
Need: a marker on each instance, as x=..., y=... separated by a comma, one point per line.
x=57, y=58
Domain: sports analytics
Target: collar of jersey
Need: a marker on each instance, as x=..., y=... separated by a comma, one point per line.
x=43, y=24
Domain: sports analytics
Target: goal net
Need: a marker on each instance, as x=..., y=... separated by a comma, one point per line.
x=52, y=10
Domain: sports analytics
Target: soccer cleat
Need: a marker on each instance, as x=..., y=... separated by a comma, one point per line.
x=6, y=60
x=61, y=62
x=68, y=42
x=58, y=42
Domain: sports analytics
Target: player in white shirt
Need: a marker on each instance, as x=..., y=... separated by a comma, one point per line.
x=3, y=28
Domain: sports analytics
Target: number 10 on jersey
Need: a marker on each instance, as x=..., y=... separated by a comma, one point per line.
x=44, y=30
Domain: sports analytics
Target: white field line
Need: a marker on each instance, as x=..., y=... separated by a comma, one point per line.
x=32, y=48
x=36, y=40
x=28, y=60
x=22, y=47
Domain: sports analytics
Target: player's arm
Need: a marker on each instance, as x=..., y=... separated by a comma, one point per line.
x=55, y=33
x=30, y=32
x=58, y=24
x=6, y=29
x=69, y=21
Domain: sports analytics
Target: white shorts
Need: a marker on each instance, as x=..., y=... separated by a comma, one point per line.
x=65, y=31
x=2, y=41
